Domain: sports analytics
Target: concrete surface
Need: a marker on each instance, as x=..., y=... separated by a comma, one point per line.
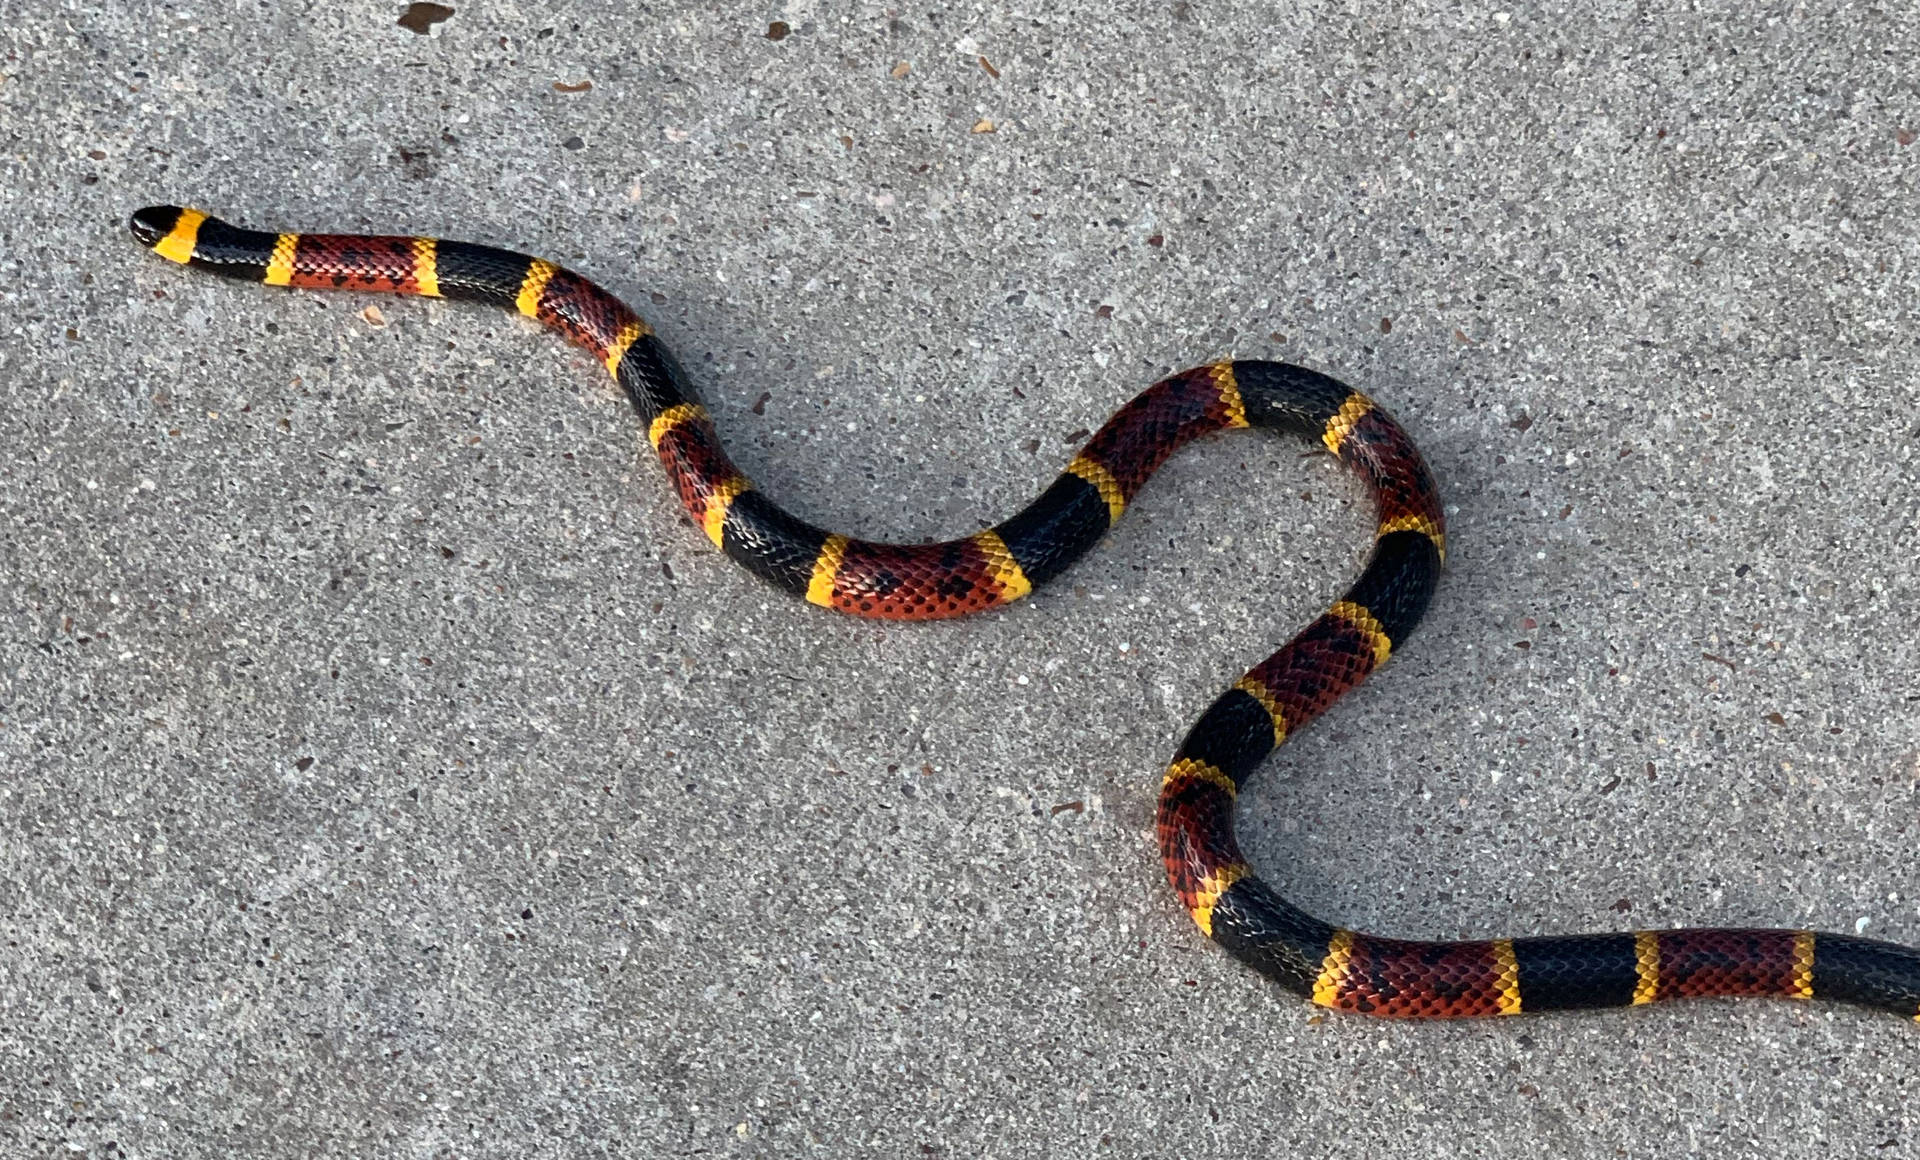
x=389, y=771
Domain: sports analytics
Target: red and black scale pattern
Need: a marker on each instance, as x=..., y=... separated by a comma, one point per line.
x=1329, y=965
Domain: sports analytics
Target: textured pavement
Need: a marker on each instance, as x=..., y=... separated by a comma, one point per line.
x=387, y=769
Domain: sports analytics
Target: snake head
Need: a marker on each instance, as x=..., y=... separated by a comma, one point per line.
x=153, y=223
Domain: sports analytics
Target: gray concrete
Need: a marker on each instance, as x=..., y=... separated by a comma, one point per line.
x=389, y=771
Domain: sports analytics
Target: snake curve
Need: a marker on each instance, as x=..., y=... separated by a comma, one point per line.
x=1330, y=966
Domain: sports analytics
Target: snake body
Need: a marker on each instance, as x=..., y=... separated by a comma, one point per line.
x=1331, y=966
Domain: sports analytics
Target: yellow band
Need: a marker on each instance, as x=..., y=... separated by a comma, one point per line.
x=426, y=266
x=672, y=417
x=280, y=265
x=1802, y=964
x=539, y=273
x=1421, y=524
x=177, y=246
x=1251, y=686
x=825, y=567
x=617, y=349
x=1508, y=968
x=1646, y=966
x=1341, y=425
x=1187, y=769
x=1096, y=473
x=1371, y=634
x=1229, y=392
x=1333, y=969
x=714, y=517
x=1004, y=568
x=1211, y=888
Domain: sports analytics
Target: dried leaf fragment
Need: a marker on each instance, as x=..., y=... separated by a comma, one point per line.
x=420, y=18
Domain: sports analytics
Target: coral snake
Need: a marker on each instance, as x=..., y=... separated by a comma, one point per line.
x=1331, y=966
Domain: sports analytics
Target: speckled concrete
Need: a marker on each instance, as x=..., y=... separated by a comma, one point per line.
x=386, y=770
